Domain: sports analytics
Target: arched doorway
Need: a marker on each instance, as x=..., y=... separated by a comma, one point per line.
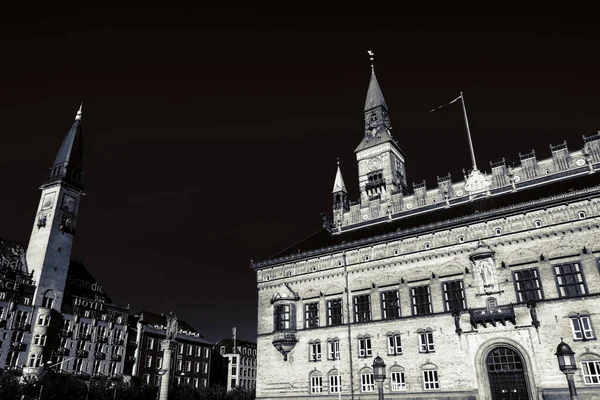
x=506, y=374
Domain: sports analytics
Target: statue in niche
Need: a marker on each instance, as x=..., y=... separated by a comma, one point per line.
x=484, y=268
x=172, y=327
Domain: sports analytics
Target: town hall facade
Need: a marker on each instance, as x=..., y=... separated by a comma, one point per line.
x=465, y=290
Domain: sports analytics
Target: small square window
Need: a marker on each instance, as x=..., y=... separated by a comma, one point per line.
x=426, y=245
x=581, y=214
x=366, y=258
x=538, y=223
x=498, y=231
x=396, y=252
x=461, y=239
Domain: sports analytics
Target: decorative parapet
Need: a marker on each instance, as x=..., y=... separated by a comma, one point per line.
x=422, y=228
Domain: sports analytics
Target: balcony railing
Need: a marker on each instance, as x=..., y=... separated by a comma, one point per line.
x=116, y=357
x=101, y=339
x=84, y=336
x=118, y=342
x=65, y=333
x=492, y=316
x=130, y=359
x=22, y=326
x=13, y=369
x=99, y=356
x=63, y=352
x=81, y=353
x=18, y=346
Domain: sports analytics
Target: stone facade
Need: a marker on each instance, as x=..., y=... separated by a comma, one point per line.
x=465, y=294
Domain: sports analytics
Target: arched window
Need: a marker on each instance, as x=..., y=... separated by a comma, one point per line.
x=590, y=368
x=367, y=384
x=397, y=382
x=431, y=380
x=335, y=381
x=581, y=325
x=538, y=223
x=48, y=299
x=316, y=382
x=581, y=214
x=426, y=344
x=492, y=303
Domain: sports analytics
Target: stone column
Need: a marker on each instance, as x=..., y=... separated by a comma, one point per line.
x=167, y=346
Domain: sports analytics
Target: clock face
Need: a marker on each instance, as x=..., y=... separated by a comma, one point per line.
x=374, y=164
x=68, y=203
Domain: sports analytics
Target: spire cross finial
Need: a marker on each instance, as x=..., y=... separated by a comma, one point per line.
x=79, y=112
x=372, y=59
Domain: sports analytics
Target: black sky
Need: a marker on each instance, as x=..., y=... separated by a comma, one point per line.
x=211, y=135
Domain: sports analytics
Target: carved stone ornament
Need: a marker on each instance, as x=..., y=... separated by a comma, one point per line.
x=477, y=183
x=172, y=327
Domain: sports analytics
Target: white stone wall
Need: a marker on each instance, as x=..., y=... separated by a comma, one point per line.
x=408, y=262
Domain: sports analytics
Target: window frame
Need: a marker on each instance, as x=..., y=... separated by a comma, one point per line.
x=589, y=378
x=365, y=347
x=585, y=334
x=520, y=291
x=397, y=386
x=581, y=286
x=415, y=305
x=314, y=351
x=311, y=316
x=282, y=317
x=367, y=383
x=314, y=388
x=335, y=387
x=394, y=344
x=331, y=316
x=427, y=381
x=360, y=313
x=333, y=349
x=446, y=292
x=387, y=304
x=426, y=341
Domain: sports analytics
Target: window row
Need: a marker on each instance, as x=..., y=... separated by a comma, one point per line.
x=570, y=282
x=367, y=383
x=365, y=348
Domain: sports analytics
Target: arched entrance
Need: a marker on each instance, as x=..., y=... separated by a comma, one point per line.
x=506, y=375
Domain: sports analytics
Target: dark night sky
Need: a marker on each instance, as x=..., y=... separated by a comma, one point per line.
x=211, y=138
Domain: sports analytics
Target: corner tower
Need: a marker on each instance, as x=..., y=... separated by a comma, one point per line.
x=381, y=162
x=49, y=250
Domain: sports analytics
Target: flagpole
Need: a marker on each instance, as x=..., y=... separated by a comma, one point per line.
x=462, y=98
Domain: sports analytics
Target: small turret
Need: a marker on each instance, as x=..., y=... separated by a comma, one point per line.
x=340, y=195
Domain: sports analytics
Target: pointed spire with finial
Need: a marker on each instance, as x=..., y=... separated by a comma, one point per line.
x=68, y=163
x=374, y=94
x=338, y=184
x=79, y=112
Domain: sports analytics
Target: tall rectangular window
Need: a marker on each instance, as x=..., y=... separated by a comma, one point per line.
x=362, y=308
x=335, y=383
x=311, y=315
x=333, y=349
x=430, y=379
x=454, y=296
x=316, y=384
x=426, y=344
x=281, y=317
x=528, y=285
x=390, y=304
x=364, y=347
x=394, y=345
x=397, y=380
x=150, y=343
x=569, y=279
x=582, y=327
x=334, y=312
x=421, y=300
x=366, y=382
x=314, y=351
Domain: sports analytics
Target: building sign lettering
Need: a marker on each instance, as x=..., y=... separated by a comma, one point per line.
x=89, y=304
x=181, y=331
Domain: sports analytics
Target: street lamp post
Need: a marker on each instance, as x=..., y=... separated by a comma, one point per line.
x=566, y=363
x=379, y=374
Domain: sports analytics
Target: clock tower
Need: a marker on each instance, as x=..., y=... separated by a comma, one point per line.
x=49, y=249
x=381, y=162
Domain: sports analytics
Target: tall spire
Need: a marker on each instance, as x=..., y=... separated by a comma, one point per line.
x=338, y=184
x=68, y=164
x=374, y=94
